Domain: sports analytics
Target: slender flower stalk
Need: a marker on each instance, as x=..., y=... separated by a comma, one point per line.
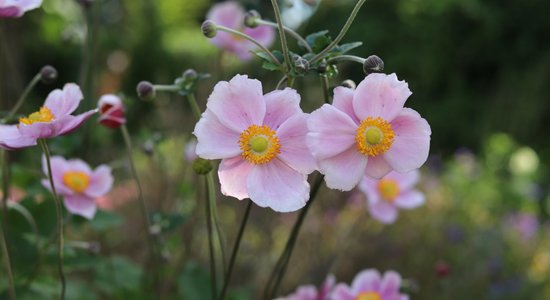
x=282, y=34
x=280, y=83
x=353, y=58
x=3, y=232
x=22, y=98
x=213, y=275
x=293, y=33
x=166, y=88
x=236, y=249
x=341, y=34
x=326, y=92
x=251, y=39
x=7, y=263
x=59, y=215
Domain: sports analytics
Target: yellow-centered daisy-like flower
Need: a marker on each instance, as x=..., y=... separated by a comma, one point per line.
x=374, y=136
x=259, y=144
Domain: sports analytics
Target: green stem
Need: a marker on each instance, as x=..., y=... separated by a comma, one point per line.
x=251, y=39
x=280, y=83
x=194, y=105
x=341, y=34
x=59, y=215
x=282, y=35
x=22, y=98
x=353, y=58
x=166, y=88
x=236, y=249
x=326, y=92
x=214, y=215
x=4, y=231
x=282, y=263
x=213, y=275
x=294, y=34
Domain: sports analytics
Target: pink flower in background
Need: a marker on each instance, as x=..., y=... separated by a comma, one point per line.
x=370, y=285
x=261, y=140
x=111, y=111
x=16, y=8
x=53, y=119
x=78, y=184
x=393, y=192
x=368, y=131
x=310, y=292
x=231, y=14
x=189, y=150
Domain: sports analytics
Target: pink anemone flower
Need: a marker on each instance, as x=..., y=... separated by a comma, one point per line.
x=16, y=8
x=370, y=285
x=261, y=141
x=78, y=184
x=368, y=131
x=53, y=119
x=393, y=192
x=231, y=14
x=310, y=292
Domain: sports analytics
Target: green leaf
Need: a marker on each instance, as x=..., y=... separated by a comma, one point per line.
x=318, y=41
x=342, y=49
x=104, y=220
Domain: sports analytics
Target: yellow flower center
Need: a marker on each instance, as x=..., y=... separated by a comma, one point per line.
x=368, y=296
x=259, y=144
x=44, y=115
x=76, y=181
x=374, y=136
x=389, y=189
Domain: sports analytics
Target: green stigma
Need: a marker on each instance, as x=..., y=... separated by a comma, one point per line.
x=373, y=136
x=259, y=144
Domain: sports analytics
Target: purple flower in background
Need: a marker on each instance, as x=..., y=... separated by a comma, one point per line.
x=310, y=292
x=78, y=184
x=370, y=285
x=393, y=192
x=53, y=119
x=230, y=14
x=16, y=8
x=525, y=224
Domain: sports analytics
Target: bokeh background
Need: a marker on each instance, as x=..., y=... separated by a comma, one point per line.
x=479, y=72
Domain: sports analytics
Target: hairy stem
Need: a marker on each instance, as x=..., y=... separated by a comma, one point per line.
x=282, y=35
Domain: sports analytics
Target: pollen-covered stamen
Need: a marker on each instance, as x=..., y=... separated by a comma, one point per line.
x=388, y=189
x=76, y=180
x=44, y=115
x=368, y=296
x=259, y=144
x=374, y=136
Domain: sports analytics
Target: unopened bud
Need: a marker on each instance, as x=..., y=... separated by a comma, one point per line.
x=146, y=90
x=301, y=65
x=48, y=74
x=111, y=111
x=202, y=166
x=209, y=29
x=148, y=147
x=373, y=64
x=251, y=19
x=322, y=68
x=190, y=74
x=348, y=83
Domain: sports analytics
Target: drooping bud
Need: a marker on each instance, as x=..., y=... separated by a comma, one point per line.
x=373, y=64
x=209, y=29
x=202, y=166
x=48, y=74
x=146, y=90
x=301, y=65
x=348, y=83
x=251, y=18
x=111, y=111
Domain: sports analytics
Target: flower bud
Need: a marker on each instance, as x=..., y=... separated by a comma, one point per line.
x=348, y=83
x=190, y=74
x=202, y=166
x=209, y=29
x=251, y=18
x=373, y=64
x=322, y=68
x=111, y=111
x=48, y=74
x=301, y=65
x=146, y=90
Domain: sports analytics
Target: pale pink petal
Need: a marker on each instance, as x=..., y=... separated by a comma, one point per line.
x=281, y=105
x=229, y=14
x=410, y=199
x=238, y=103
x=331, y=132
x=11, y=138
x=391, y=283
x=370, y=188
x=215, y=140
x=278, y=186
x=63, y=103
x=326, y=288
x=345, y=170
x=365, y=281
x=60, y=188
x=306, y=292
x=78, y=165
x=342, y=292
x=263, y=34
x=377, y=167
x=411, y=145
x=81, y=205
x=380, y=95
x=10, y=12
x=58, y=165
x=101, y=182
x=233, y=173
x=343, y=100
x=294, y=150
x=383, y=211
x=71, y=123
x=405, y=180
x=29, y=4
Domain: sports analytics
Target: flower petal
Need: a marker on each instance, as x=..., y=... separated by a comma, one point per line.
x=377, y=167
x=410, y=199
x=294, y=150
x=281, y=105
x=233, y=173
x=63, y=103
x=391, y=283
x=215, y=140
x=369, y=186
x=238, y=103
x=101, y=182
x=11, y=138
x=345, y=170
x=380, y=95
x=383, y=211
x=366, y=280
x=342, y=292
x=407, y=180
x=229, y=14
x=331, y=132
x=278, y=186
x=71, y=123
x=343, y=100
x=411, y=145
x=11, y=12
x=81, y=205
